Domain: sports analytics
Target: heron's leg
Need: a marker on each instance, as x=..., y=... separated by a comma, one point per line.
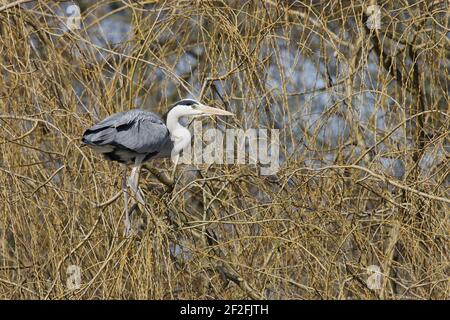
x=127, y=221
x=134, y=183
x=176, y=158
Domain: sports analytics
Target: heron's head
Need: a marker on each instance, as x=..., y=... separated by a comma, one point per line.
x=191, y=107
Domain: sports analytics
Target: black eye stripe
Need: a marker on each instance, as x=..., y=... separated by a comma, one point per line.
x=186, y=102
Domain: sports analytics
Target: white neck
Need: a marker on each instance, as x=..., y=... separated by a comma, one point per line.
x=180, y=135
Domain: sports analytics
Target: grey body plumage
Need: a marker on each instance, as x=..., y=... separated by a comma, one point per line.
x=126, y=135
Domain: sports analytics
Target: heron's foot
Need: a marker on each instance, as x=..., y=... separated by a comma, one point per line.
x=128, y=227
x=135, y=223
x=128, y=231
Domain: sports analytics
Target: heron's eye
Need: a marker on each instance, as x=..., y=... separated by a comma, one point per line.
x=194, y=106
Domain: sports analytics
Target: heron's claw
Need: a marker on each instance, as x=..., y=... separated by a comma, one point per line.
x=128, y=229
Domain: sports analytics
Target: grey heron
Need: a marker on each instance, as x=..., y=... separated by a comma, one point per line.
x=136, y=136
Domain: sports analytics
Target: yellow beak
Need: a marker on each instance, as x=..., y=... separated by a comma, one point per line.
x=210, y=111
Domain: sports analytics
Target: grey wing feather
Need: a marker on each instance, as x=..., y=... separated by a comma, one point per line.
x=136, y=130
x=145, y=135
